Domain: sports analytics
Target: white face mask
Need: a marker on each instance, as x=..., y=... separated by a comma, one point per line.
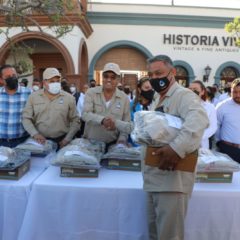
x=72, y=89
x=54, y=88
x=35, y=88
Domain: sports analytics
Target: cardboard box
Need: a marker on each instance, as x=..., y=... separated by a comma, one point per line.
x=214, y=177
x=67, y=171
x=186, y=164
x=15, y=173
x=122, y=164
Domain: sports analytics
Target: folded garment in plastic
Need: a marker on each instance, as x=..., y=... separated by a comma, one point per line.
x=16, y=158
x=89, y=144
x=6, y=154
x=155, y=128
x=73, y=155
x=121, y=157
x=212, y=161
x=36, y=148
x=120, y=151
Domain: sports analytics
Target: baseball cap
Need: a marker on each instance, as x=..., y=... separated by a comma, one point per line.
x=113, y=67
x=50, y=73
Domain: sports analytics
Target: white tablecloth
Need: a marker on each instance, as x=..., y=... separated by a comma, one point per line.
x=214, y=211
x=112, y=207
x=13, y=200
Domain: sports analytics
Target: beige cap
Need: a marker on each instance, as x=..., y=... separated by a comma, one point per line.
x=113, y=67
x=50, y=73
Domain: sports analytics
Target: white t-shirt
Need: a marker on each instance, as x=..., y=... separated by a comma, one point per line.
x=80, y=104
x=212, y=128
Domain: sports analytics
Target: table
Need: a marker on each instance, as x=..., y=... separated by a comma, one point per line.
x=107, y=208
x=113, y=207
x=214, y=211
x=13, y=200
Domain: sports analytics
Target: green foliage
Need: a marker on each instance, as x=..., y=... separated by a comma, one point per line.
x=234, y=29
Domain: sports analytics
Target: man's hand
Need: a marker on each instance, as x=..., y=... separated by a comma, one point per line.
x=39, y=138
x=63, y=143
x=168, y=158
x=109, y=123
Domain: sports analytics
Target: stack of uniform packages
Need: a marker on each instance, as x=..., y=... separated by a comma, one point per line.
x=14, y=163
x=80, y=158
x=215, y=167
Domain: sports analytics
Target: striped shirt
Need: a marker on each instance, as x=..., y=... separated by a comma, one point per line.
x=11, y=107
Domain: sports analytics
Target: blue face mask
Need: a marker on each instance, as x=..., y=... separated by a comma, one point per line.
x=160, y=84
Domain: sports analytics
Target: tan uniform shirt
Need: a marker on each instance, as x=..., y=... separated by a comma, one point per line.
x=51, y=118
x=95, y=110
x=183, y=103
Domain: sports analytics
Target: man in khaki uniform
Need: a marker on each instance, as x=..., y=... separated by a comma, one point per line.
x=167, y=189
x=50, y=113
x=106, y=110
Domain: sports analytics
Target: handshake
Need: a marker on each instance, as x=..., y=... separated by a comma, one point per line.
x=109, y=123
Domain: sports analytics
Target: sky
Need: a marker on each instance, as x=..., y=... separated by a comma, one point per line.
x=200, y=3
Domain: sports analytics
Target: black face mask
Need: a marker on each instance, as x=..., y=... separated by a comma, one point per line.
x=11, y=83
x=160, y=84
x=147, y=94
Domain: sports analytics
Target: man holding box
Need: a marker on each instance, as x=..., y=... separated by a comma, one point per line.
x=167, y=187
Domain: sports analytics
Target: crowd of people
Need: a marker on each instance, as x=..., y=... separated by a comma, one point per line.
x=54, y=109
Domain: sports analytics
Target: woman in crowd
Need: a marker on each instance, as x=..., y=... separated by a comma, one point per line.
x=199, y=88
x=143, y=98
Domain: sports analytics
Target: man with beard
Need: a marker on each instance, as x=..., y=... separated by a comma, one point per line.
x=228, y=118
x=13, y=98
x=168, y=189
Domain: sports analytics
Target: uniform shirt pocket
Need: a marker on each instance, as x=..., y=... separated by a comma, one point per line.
x=98, y=108
x=39, y=108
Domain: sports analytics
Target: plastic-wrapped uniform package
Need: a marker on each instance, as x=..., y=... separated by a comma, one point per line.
x=73, y=155
x=36, y=148
x=212, y=161
x=121, y=151
x=155, y=128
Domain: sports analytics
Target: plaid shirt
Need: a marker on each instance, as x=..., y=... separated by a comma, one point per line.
x=11, y=107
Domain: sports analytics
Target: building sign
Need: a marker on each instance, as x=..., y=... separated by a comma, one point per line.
x=208, y=43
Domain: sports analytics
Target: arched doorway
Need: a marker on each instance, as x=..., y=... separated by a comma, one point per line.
x=132, y=64
x=47, y=52
x=130, y=56
x=227, y=72
x=184, y=73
